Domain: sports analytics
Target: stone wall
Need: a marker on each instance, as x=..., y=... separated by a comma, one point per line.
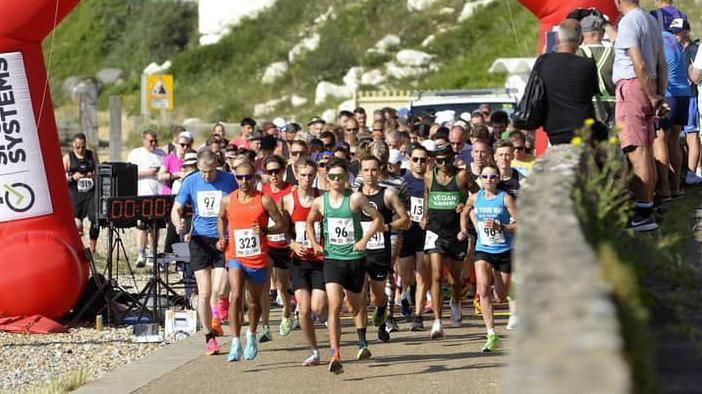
x=568, y=339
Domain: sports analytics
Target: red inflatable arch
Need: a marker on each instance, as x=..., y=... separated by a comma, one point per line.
x=42, y=268
x=550, y=14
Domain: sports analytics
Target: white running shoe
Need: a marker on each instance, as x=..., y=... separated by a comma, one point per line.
x=436, y=330
x=456, y=316
x=512, y=322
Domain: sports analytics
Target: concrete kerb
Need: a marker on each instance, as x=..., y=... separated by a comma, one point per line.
x=569, y=337
x=139, y=373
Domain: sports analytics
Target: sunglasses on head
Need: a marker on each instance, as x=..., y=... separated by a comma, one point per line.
x=442, y=161
x=489, y=176
x=273, y=171
x=246, y=177
x=337, y=177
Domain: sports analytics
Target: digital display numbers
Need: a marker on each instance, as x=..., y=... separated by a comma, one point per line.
x=145, y=208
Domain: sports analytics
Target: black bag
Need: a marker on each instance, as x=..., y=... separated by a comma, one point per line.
x=531, y=110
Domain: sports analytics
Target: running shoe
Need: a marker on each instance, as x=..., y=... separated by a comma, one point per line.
x=313, y=359
x=223, y=309
x=456, y=316
x=391, y=325
x=383, y=334
x=141, y=261
x=417, y=324
x=377, y=319
x=436, y=330
x=217, y=327
x=640, y=223
x=235, y=352
x=363, y=353
x=286, y=324
x=335, y=362
x=296, y=321
x=512, y=322
x=211, y=348
x=251, y=346
x=406, y=308
x=493, y=342
x=265, y=334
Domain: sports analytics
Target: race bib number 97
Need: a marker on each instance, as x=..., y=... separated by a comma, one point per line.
x=341, y=231
x=208, y=203
x=247, y=242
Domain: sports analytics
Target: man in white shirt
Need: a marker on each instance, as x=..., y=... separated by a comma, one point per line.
x=696, y=69
x=149, y=159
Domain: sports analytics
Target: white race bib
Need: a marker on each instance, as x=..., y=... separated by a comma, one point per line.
x=490, y=236
x=377, y=241
x=301, y=233
x=208, y=203
x=416, y=208
x=275, y=237
x=341, y=231
x=247, y=243
x=430, y=240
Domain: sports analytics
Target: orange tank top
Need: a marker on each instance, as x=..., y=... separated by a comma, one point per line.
x=244, y=245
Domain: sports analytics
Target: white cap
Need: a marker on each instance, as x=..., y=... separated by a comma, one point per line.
x=429, y=145
x=395, y=156
x=187, y=135
x=279, y=122
x=445, y=116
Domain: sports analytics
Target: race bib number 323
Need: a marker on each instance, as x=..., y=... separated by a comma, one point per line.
x=248, y=243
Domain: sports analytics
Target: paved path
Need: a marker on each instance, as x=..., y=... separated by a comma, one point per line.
x=409, y=363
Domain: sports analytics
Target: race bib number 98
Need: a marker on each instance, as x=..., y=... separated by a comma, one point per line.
x=341, y=231
x=247, y=242
x=490, y=236
x=377, y=241
x=208, y=203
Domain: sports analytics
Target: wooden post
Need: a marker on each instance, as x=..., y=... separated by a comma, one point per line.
x=115, y=128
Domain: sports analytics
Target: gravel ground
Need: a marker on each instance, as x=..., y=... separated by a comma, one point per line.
x=32, y=360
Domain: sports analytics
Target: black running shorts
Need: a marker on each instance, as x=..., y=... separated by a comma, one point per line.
x=306, y=275
x=499, y=261
x=204, y=253
x=348, y=273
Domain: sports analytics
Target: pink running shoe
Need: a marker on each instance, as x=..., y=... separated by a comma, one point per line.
x=211, y=348
x=223, y=309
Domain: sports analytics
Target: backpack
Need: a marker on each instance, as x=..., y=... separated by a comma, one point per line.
x=531, y=110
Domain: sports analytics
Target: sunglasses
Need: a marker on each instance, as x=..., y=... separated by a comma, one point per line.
x=489, y=176
x=520, y=148
x=246, y=177
x=295, y=153
x=380, y=130
x=352, y=130
x=442, y=161
x=184, y=145
x=419, y=159
x=337, y=177
x=273, y=171
x=322, y=165
x=153, y=141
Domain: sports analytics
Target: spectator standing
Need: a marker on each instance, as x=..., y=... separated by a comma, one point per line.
x=80, y=165
x=570, y=82
x=148, y=158
x=641, y=76
x=602, y=53
x=248, y=126
x=692, y=128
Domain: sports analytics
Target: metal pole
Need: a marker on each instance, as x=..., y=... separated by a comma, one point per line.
x=115, y=128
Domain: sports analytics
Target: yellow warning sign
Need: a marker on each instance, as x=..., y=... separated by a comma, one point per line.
x=159, y=90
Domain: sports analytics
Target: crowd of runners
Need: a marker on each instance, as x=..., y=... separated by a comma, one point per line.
x=399, y=211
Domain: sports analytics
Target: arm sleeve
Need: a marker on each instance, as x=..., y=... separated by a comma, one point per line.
x=626, y=36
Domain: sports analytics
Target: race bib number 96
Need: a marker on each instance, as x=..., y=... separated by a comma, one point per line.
x=208, y=203
x=247, y=242
x=341, y=231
